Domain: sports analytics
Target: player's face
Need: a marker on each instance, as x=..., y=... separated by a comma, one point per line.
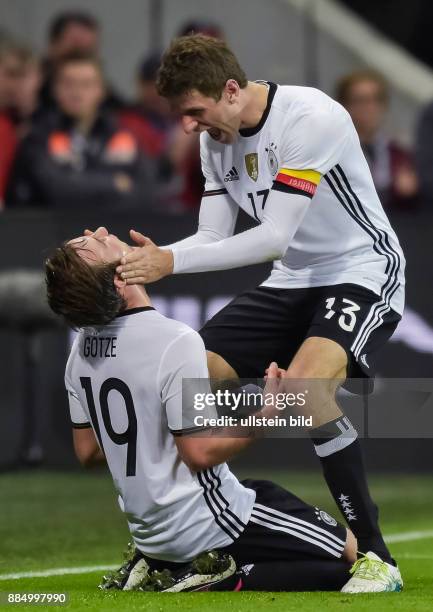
x=100, y=247
x=221, y=119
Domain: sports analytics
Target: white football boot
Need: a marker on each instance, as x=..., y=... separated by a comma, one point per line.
x=372, y=575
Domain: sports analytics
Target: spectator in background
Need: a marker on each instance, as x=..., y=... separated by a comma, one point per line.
x=364, y=93
x=424, y=154
x=149, y=118
x=161, y=136
x=185, y=148
x=77, y=156
x=25, y=99
x=152, y=123
x=9, y=72
x=71, y=32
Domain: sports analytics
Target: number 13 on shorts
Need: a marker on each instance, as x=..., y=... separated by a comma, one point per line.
x=347, y=318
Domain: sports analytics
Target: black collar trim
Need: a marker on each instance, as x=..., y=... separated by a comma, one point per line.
x=132, y=311
x=245, y=132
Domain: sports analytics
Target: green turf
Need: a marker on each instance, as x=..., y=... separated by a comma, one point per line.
x=55, y=520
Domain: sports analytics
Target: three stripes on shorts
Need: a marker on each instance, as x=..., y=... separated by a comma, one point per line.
x=298, y=528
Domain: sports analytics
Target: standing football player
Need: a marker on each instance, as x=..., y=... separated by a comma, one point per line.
x=289, y=157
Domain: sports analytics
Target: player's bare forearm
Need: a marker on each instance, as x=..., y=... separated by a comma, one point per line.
x=87, y=448
x=215, y=446
x=97, y=458
x=214, y=451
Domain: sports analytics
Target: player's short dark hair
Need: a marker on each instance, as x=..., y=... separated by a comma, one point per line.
x=79, y=57
x=62, y=21
x=344, y=85
x=83, y=294
x=198, y=62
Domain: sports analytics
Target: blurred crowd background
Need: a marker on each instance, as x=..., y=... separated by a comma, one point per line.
x=72, y=139
x=85, y=140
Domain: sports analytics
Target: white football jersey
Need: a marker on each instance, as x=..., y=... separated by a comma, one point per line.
x=307, y=144
x=125, y=380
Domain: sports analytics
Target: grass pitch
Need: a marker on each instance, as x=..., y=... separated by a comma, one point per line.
x=56, y=521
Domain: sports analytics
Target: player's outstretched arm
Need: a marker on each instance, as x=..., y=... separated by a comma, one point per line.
x=217, y=220
x=266, y=242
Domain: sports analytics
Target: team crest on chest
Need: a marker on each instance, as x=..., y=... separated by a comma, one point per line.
x=252, y=165
x=272, y=158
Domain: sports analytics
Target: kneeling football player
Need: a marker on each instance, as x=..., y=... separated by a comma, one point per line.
x=193, y=524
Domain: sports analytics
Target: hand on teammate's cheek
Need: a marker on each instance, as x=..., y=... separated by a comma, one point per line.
x=146, y=263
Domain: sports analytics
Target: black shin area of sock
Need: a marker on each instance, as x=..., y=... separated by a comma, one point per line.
x=345, y=474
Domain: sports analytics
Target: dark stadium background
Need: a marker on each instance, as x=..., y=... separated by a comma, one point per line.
x=33, y=401
x=33, y=405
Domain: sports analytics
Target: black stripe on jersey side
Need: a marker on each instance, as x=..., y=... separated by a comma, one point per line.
x=211, y=508
x=213, y=492
x=81, y=425
x=214, y=192
x=278, y=186
x=381, y=245
x=229, y=516
x=394, y=258
x=222, y=504
x=375, y=317
x=375, y=234
x=387, y=245
x=232, y=514
x=246, y=132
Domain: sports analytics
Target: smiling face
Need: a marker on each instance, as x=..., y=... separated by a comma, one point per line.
x=221, y=119
x=81, y=279
x=99, y=248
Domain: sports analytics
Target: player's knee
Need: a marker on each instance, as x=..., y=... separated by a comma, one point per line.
x=351, y=548
x=322, y=385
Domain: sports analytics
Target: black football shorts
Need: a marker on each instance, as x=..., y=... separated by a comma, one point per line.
x=282, y=527
x=268, y=324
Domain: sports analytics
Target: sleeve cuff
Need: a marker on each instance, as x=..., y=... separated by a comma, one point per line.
x=189, y=431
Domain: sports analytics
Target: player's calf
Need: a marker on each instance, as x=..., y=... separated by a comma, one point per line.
x=351, y=549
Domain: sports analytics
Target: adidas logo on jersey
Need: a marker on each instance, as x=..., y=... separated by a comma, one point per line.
x=232, y=175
